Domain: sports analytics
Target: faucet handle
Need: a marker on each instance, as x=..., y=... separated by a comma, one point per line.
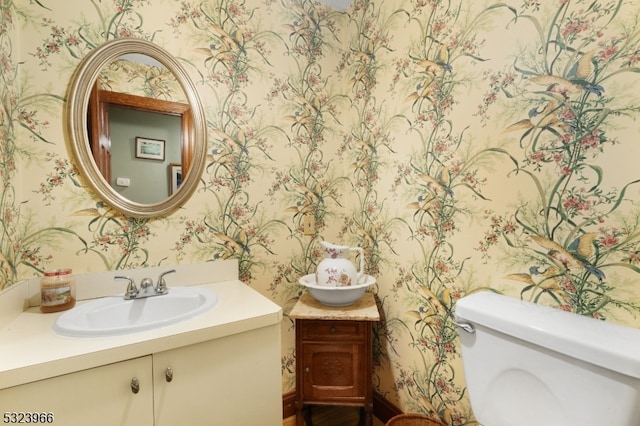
x=161, y=285
x=132, y=290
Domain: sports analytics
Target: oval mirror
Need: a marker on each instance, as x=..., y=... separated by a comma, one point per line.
x=141, y=149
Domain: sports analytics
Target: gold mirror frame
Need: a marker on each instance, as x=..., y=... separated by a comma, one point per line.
x=82, y=83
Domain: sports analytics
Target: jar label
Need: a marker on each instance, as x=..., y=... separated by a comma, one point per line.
x=56, y=295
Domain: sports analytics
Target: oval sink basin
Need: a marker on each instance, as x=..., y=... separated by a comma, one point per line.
x=112, y=316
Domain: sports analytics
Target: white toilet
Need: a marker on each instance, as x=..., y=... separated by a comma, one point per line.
x=531, y=365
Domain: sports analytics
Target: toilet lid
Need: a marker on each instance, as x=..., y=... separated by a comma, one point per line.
x=603, y=343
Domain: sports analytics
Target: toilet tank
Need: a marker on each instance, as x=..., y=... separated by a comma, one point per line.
x=527, y=364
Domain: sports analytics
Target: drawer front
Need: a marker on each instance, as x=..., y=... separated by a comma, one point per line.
x=333, y=330
x=334, y=372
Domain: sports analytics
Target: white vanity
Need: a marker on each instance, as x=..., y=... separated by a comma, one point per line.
x=220, y=368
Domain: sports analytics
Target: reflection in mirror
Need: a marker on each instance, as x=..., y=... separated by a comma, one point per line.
x=136, y=120
x=134, y=175
x=116, y=121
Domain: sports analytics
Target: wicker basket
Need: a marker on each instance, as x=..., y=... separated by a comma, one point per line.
x=413, y=420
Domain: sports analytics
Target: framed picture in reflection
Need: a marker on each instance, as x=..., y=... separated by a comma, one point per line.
x=149, y=149
x=175, y=177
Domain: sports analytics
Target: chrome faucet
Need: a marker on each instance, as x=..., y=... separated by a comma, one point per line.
x=147, y=289
x=132, y=290
x=161, y=285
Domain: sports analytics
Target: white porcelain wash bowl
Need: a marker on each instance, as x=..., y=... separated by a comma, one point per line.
x=113, y=315
x=336, y=296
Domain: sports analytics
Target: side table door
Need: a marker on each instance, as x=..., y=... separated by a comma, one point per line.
x=333, y=372
x=335, y=361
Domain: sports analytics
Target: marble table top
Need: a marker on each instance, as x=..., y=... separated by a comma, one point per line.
x=363, y=309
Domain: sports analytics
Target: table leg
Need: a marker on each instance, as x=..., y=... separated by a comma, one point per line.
x=366, y=415
x=306, y=413
x=299, y=413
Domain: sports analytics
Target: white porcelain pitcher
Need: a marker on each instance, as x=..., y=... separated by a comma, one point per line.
x=336, y=270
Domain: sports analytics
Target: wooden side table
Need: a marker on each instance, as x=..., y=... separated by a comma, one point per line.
x=334, y=355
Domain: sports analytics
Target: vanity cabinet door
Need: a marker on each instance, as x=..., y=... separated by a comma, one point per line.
x=98, y=396
x=231, y=381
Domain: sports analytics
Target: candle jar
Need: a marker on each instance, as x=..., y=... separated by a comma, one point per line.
x=57, y=291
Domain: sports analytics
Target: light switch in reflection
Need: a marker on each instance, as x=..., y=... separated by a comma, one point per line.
x=123, y=181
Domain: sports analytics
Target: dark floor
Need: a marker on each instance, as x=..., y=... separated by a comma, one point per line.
x=333, y=416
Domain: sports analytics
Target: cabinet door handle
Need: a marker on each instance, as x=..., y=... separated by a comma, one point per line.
x=168, y=374
x=135, y=385
x=306, y=370
x=332, y=329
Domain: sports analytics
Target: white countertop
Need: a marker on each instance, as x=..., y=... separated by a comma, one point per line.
x=30, y=350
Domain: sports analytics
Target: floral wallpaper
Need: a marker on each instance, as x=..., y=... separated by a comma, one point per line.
x=464, y=146
x=141, y=79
